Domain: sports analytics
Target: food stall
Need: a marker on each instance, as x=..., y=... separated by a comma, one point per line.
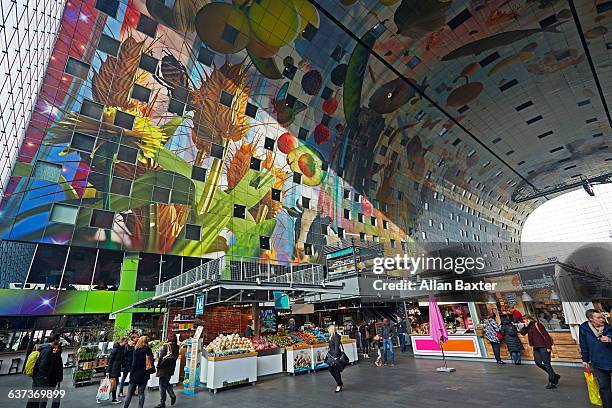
x=269, y=356
x=350, y=349
x=299, y=358
x=230, y=360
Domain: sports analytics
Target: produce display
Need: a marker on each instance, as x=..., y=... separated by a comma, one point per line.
x=262, y=343
x=321, y=336
x=282, y=341
x=305, y=337
x=231, y=344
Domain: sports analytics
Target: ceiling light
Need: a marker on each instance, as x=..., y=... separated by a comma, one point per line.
x=526, y=297
x=554, y=295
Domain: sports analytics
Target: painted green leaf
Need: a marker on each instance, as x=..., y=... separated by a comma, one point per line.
x=247, y=244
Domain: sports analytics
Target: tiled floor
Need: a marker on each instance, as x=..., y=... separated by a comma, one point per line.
x=412, y=383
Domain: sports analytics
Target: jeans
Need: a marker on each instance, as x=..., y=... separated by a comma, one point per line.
x=388, y=343
x=541, y=357
x=165, y=387
x=141, y=395
x=124, y=375
x=335, y=372
x=402, y=341
x=603, y=378
x=496, y=350
x=365, y=344
x=516, y=357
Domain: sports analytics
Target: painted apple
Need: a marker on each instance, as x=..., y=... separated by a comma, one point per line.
x=307, y=165
x=321, y=134
x=330, y=106
x=287, y=142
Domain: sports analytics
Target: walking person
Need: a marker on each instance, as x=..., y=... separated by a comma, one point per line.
x=126, y=365
x=596, y=349
x=56, y=372
x=542, y=344
x=494, y=336
x=364, y=334
x=165, y=370
x=401, y=333
x=379, y=354
x=513, y=342
x=115, y=364
x=142, y=367
x=387, y=333
x=335, y=352
x=41, y=373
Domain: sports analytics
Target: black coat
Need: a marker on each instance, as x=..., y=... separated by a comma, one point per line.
x=166, y=366
x=334, y=346
x=115, y=361
x=128, y=355
x=56, y=370
x=513, y=342
x=42, y=368
x=138, y=371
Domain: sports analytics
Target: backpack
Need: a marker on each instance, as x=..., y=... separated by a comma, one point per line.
x=30, y=363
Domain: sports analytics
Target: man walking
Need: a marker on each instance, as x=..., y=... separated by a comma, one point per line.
x=401, y=333
x=165, y=370
x=596, y=350
x=386, y=333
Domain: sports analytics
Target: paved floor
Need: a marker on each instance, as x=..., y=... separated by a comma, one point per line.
x=412, y=383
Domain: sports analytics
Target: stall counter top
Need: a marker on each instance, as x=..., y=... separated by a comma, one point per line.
x=231, y=356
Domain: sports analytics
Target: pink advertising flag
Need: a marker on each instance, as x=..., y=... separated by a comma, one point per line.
x=437, y=329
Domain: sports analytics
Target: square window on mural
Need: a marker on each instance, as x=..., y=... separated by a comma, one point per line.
x=176, y=107
x=148, y=63
x=264, y=243
x=347, y=194
x=127, y=154
x=147, y=26
x=255, y=164
x=297, y=178
x=92, y=109
x=121, y=186
x=239, y=211
x=373, y=221
x=102, y=219
x=360, y=217
x=140, y=93
x=230, y=34
x=276, y=194
x=347, y=213
x=226, y=99
x=362, y=236
x=309, y=32
x=198, y=173
x=290, y=101
x=109, y=7
x=217, y=151
x=206, y=56
x=326, y=93
x=109, y=45
x=305, y=202
x=303, y=134
x=193, y=232
x=65, y=214
x=124, y=120
x=251, y=110
x=180, y=94
x=324, y=165
x=307, y=249
x=47, y=171
x=324, y=228
x=385, y=224
x=82, y=142
x=340, y=232
x=337, y=53
x=160, y=194
x=325, y=119
x=269, y=144
x=77, y=68
x=289, y=71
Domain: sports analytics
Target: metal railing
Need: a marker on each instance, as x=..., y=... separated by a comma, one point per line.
x=244, y=269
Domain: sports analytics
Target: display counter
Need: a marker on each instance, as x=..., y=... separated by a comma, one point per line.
x=270, y=361
x=319, y=352
x=458, y=345
x=227, y=371
x=154, y=379
x=350, y=349
x=565, y=348
x=299, y=359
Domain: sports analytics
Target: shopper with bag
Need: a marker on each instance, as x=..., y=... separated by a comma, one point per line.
x=387, y=333
x=56, y=372
x=41, y=371
x=165, y=370
x=128, y=354
x=494, y=336
x=142, y=368
x=336, y=359
x=115, y=363
x=514, y=344
x=596, y=350
x=542, y=345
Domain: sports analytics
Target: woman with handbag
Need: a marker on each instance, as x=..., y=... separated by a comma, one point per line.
x=542, y=345
x=142, y=367
x=493, y=334
x=334, y=355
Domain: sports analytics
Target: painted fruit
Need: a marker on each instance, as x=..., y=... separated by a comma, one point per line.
x=338, y=74
x=260, y=48
x=308, y=14
x=311, y=82
x=307, y=165
x=388, y=2
x=212, y=20
x=321, y=134
x=348, y=2
x=274, y=22
x=286, y=142
x=464, y=94
x=330, y=106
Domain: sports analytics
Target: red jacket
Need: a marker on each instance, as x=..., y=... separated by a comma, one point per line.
x=537, y=335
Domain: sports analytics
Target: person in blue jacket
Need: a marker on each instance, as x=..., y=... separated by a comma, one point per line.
x=596, y=350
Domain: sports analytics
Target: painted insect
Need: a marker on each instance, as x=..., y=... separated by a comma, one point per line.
x=172, y=74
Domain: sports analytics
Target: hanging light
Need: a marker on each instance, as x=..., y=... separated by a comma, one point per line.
x=491, y=299
x=554, y=295
x=526, y=297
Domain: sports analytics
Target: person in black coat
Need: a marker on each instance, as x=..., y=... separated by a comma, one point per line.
x=165, y=370
x=127, y=364
x=142, y=361
x=42, y=372
x=513, y=342
x=115, y=363
x=335, y=351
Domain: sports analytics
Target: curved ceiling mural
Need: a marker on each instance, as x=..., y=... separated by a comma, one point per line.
x=274, y=127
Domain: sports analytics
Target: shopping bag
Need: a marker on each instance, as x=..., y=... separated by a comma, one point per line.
x=104, y=391
x=593, y=388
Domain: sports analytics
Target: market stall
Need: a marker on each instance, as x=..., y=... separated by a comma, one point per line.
x=230, y=360
x=463, y=345
x=269, y=356
x=350, y=349
x=299, y=358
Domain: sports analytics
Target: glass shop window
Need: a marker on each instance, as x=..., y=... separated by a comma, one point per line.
x=171, y=266
x=108, y=270
x=47, y=267
x=79, y=268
